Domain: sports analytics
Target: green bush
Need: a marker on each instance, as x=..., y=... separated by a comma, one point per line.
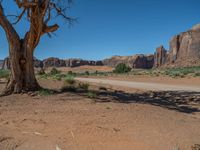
x=41, y=72
x=4, y=73
x=122, y=68
x=69, y=84
x=197, y=74
x=87, y=73
x=54, y=71
x=84, y=86
x=57, y=77
x=69, y=80
x=91, y=95
x=70, y=73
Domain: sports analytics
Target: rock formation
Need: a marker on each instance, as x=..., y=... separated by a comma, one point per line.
x=135, y=61
x=160, y=56
x=53, y=62
x=184, y=50
x=80, y=62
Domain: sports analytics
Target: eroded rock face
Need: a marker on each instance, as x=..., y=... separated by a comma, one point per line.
x=135, y=61
x=80, y=62
x=53, y=62
x=160, y=56
x=184, y=49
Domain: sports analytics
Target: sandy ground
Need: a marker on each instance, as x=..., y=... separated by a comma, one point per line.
x=82, y=69
x=71, y=121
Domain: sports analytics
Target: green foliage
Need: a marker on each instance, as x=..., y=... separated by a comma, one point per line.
x=171, y=72
x=54, y=71
x=4, y=73
x=91, y=95
x=84, y=86
x=122, y=68
x=197, y=74
x=69, y=80
x=182, y=72
x=45, y=92
x=69, y=84
x=87, y=73
x=41, y=72
x=57, y=77
x=71, y=73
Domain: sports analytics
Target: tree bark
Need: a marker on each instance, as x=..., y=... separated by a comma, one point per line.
x=22, y=77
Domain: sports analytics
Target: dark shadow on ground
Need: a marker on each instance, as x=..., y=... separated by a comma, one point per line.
x=187, y=102
x=181, y=101
x=3, y=82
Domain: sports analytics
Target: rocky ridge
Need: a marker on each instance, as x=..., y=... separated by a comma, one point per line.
x=184, y=50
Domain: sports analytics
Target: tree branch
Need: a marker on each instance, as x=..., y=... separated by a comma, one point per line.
x=47, y=29
x=25, y=3
x=11, y=33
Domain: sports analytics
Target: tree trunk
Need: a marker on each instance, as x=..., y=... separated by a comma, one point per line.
x=22, y=77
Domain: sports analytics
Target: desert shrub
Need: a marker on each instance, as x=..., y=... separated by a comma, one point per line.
x=69, y=80
x=91, y=95
x=41, y=72
x=181, y=72
x=69, y=84
x=54, y=71
x=87, y=73
x=57, y=77
x=44, y=76
x=4, y=73
x=122, y=68
x=45, y=92
x=197, y=74
x=84, y=86
x=70, y=72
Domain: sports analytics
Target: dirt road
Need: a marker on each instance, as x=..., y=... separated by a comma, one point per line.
x=142, y=85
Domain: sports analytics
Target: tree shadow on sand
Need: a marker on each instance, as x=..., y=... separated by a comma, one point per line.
x=181, y=101
x=186, y=102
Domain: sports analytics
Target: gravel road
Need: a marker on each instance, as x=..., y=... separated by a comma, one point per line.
x=142, y=85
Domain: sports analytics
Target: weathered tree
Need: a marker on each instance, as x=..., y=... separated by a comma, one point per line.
x=38, y=13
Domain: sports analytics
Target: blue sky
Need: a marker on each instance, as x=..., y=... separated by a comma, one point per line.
x=113, y=27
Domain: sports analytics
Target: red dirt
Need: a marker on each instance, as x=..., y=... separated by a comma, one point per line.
x=73, y=122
